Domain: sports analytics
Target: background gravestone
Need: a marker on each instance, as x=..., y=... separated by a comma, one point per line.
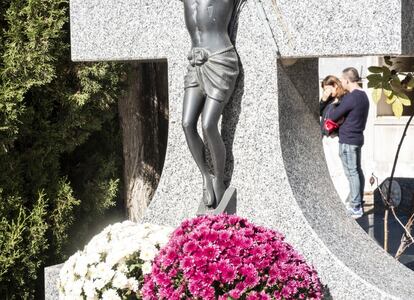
x=279, y=168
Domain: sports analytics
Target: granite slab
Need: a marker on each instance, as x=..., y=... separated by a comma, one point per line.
x=270, y=126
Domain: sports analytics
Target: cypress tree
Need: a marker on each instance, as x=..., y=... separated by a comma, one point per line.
x=60, y=144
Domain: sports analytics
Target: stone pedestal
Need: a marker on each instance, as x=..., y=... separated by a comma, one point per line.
x=227, y=205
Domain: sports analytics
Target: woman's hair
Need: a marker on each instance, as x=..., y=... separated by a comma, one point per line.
x=335, y=82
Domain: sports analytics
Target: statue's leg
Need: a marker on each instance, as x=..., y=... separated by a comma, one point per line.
x=210, y=118
x=194, y=100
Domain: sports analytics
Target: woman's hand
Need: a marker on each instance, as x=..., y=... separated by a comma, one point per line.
x=327, y=92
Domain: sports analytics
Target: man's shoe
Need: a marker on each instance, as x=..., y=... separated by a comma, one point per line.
x=355, y=212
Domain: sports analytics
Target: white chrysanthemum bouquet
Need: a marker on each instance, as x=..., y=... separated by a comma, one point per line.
x=112, y=266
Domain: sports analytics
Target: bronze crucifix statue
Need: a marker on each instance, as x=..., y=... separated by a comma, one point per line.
x=209, y=83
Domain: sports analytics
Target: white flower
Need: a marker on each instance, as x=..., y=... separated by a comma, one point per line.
x=133, y=284
x=122, y=267
x=89, y=289
x=110, y=295
x=148, y=253
x=81, y=267
x=117, y=255
x=67, y=270
x=120, y=281
x=146, y=268
x=105, y=272
x=99, y=284
x=92, y=257
x=106, y=261
x=75, y=287
x=98, y=244
x=160, y=237
x=71, y=296
x=92, y=272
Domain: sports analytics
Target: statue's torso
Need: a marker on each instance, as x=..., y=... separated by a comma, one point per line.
x=207, y=22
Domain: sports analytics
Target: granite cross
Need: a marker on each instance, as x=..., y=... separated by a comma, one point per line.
x=279, y=167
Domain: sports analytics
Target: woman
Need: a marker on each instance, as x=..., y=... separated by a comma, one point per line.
x=331, y=97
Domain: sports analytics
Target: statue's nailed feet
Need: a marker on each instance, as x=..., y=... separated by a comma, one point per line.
x=208, y=191
x=219, y=190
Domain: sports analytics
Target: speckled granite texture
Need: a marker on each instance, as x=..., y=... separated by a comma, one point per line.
x=134, y=29
x=51, y=277
x=271, y=124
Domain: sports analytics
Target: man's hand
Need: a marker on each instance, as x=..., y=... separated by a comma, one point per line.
x=327, y=92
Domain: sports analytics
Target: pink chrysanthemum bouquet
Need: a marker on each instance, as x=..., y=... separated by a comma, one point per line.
x=226, y=257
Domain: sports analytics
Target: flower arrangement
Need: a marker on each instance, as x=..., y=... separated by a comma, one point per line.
x=226, y=257
x=113, y=264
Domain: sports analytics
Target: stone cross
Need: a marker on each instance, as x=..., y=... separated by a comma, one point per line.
x=279, y=167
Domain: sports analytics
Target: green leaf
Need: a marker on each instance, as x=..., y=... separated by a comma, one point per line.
x=374, y=80
x=403, y=96
x=403, y=99
x=374, y=77
x=387, y=72
x=395, y=82
x=397, y=108
x=375, y=69
x=388, y=91
x=376, y=94
x=392, y=99
x=372, y=85
x=406, y=102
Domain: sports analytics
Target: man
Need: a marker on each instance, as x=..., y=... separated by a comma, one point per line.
x=354, y=108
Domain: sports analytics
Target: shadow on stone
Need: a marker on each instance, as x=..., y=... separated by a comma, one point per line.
x=229, y=122
x=227, y=205
x=327, y=293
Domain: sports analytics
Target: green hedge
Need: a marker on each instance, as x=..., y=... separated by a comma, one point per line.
x=60, y=144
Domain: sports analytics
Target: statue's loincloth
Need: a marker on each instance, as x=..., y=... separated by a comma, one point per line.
x=215, y=73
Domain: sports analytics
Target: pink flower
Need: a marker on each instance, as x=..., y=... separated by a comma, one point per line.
x=252, y=281
x=253, y=296
x=217, y=257
x=212, y=236
x=228, y=273
x=241, y=286
x=208, y=293
x=235, y=294
x=190, y=247
x=187, y=263
x=248, y=271
x=210, y=252
x=258, y=296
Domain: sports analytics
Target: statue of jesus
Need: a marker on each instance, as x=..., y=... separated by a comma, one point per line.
x=209, y=83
